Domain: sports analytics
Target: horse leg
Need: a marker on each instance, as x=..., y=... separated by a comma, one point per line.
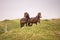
x=26, y=24
x=31, y=24
x=39, y=20
x=36, y=23
x=22, y=25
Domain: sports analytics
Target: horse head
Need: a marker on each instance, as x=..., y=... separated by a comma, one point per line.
x=39, y=15
x=26, y=15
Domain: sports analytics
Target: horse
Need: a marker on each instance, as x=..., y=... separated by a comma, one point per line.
x=34, y=20
x=24, y=20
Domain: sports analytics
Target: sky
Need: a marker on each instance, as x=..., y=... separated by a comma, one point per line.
x=14, y=9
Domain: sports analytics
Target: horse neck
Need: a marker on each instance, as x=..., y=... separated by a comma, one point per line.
x=37, y=17
x=28, y=18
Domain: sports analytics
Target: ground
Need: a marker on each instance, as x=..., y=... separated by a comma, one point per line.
x=46, y=30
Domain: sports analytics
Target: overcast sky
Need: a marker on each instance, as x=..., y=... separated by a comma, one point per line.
x=12, y=9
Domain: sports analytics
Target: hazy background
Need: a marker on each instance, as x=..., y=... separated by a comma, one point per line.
x=13, y=9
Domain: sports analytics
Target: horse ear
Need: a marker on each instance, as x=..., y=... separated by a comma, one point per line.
x=40, y=15
x=39, y=12
x=25, y=14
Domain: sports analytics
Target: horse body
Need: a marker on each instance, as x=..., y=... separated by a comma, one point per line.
x=29, y=21
x=24, y=20
x=34, y=20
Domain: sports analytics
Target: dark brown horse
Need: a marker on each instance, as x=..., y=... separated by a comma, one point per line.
x=34, y=19
x=24, y=20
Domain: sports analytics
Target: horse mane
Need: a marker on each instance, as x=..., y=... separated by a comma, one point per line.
x=26, y=15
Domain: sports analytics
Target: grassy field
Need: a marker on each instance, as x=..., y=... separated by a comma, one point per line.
x=46, y=30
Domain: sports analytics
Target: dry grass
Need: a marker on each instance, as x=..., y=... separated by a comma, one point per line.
x=46, y=30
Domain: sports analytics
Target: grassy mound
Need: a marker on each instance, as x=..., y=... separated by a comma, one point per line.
x=10, y=24
x=46, y=30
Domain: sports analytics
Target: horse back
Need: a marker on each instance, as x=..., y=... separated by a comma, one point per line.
x=33, y=19
x=23, y=20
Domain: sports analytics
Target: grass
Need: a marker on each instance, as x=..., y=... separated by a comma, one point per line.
x=46, y=30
